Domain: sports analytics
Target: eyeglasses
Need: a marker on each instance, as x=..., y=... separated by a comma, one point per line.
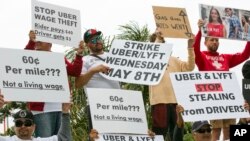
x=96, y=39
x=208, y=130
x=26, y=123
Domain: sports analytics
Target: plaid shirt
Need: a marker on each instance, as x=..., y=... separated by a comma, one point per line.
x=234, y=23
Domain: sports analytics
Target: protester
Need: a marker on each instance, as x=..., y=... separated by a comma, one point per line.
x=211, y=60
x=215, y=26
x=47, y=116
x=235, y=29
x=201, y=131
x=162, y=97
x=93, y=65
x=25, y=126
x=246, y=74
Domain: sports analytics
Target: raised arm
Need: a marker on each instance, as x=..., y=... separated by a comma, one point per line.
x=64, y=133
x=197, y=51
x=32, y=41
x=237, y=58
x=198, y=38
x=75, y=68
x=190, y=63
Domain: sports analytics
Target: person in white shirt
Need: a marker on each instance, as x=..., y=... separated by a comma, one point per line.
x=24, y=126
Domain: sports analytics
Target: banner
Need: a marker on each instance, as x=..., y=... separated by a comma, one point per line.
x=210, y=95
x=121, y=110
x=35, y=76
x=122, y=137
x=56, y=24
x=137, y=62
x=172, y=22
x=225, y=22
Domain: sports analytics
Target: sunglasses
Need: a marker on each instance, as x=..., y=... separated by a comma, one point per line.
x=96, y=39
x=26, y=123
x=208, y=130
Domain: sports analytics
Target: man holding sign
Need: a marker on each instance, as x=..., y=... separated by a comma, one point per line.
x=49, y=114
x=94, y=64
x=211, y=60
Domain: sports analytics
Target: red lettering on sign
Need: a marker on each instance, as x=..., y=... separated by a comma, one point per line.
x=211, y=87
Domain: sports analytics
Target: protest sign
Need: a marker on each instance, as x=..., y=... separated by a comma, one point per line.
x=137, y=62
x=210, y=95
x=246, y=89
x=172, y=22
x=122, y=110
x=56, y=24
x=124, y=137
x=35, y=76
x=225, y=22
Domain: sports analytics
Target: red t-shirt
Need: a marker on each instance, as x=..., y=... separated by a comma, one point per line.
x=215, y=30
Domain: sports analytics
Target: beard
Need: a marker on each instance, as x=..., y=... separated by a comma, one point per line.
x=98, y=48
x=213, y=49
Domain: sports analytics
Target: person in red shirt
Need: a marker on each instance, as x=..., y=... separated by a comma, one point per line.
x=47, y=116
x=73, y=69
x=211, y=60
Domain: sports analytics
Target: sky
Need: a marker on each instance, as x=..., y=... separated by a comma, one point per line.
x=107, y=15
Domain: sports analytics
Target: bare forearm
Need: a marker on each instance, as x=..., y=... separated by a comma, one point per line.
x=83, y=79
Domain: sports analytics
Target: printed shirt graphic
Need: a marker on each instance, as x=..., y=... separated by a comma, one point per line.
x=215, y=30
x=217, y=61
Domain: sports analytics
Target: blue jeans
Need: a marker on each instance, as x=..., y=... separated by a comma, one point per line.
x=47, y=124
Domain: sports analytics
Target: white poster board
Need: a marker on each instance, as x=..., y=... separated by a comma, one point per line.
x=56, y=24
x=123, y=137
x=210, y=95
x=121, y=110
x=137, y=62
x=35, y=76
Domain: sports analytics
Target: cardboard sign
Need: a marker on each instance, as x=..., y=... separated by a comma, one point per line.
x=246, y=89
x=118, y=110
x=122, y=137
x=172, y=22
x=35, y=76
x=210, y=95
x=56, y=24
x=137, y=62
x=225, y=22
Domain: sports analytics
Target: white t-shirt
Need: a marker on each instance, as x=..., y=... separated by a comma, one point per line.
x=15, y=138
x=97, y=81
